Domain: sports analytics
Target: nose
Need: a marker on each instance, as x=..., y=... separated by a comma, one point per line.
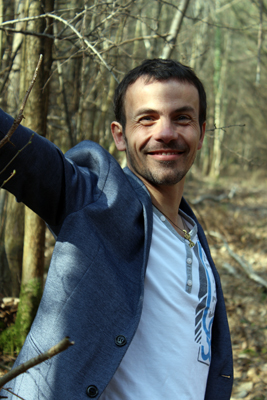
x=166, y=131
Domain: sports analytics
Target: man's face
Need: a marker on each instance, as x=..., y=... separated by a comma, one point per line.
x=162, y=132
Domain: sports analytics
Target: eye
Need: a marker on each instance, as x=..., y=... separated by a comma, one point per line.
x=146, y=119
x=182, y=119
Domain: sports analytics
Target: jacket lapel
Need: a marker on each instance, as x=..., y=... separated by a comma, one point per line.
x=144, y=197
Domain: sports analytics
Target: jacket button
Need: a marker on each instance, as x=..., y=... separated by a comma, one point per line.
x=92, y=391
x=120, y=340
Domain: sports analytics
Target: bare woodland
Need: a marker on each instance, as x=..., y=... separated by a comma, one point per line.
x=87, y=46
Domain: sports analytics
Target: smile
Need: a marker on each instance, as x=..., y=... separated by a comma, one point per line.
x=166, y=155
x=163, y=153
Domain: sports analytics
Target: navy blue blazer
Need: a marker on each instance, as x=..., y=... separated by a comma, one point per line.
x=102, y=218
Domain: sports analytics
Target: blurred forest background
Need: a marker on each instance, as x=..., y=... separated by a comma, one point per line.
x=87, y=47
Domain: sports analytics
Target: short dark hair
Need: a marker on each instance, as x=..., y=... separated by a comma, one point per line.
x=160, y=70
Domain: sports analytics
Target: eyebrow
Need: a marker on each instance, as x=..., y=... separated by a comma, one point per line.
x=145, y=111
x=142, y=111
x=184, y=108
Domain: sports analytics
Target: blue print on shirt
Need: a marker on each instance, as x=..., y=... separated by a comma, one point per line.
x=204, y=311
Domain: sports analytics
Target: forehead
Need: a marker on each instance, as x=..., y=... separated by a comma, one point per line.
x=159, y=95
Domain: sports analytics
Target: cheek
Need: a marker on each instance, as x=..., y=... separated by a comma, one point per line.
x=135, y=143
x=138, y=137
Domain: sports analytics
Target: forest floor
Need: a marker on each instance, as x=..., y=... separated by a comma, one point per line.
x=236, y=229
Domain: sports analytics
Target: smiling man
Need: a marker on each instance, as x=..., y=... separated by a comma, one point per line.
x=131, y=279
x=162, y=132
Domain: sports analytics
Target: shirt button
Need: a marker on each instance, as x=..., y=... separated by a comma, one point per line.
x=162, y=218
x=189, y=283
x=92, y=391
x=189, y=261
x=120, y=340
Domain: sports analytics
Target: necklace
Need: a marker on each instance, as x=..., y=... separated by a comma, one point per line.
x=187, y=235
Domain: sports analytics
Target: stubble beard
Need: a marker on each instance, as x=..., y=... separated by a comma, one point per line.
x=165, y=175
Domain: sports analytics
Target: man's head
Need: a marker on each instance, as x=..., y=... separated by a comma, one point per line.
x=160, y=121
x=159, y=70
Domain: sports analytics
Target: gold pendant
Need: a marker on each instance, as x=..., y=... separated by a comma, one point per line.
x=188, y=237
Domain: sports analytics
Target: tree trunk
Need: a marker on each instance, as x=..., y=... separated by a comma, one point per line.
x=260, y=37
x=36, y=115
x=1, y=32
x=5, y=277
x=220, y=78
x=14, y=229
x=175, y=29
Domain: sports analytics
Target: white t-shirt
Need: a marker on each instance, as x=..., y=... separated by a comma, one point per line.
x=170, y=354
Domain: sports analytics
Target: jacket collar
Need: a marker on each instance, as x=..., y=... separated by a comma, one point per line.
x=144, y=197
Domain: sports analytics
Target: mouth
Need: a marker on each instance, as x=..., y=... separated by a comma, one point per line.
x=165, y=155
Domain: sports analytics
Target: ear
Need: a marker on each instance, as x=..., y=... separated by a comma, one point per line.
x=117, y=133
x=200, y=143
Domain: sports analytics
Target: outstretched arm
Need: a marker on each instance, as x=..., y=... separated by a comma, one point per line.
x=48, y=182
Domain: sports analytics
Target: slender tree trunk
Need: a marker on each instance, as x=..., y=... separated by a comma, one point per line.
x=175, y=29
x=220, y=76
x=5, y=277
x=260, y=36
x=14, y=228
x=218, y=91
x=14, y=231
x=36, y=115
x=1, y=32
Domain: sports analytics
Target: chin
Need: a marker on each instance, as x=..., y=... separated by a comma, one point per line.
x=166, y=180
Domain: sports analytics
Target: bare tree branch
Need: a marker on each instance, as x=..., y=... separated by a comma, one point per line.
x=85, y=41
x=69, y=25
x=8, y=179
x=64, y=344
x=14, y=394
x=124, y=7
x=19, y=118
x=26, y=33
x=12, y=159
x=219, y=198
x=150, y=37
x=246, y=266
x=223, y=127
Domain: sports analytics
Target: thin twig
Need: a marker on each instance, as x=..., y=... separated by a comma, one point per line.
x=14, y=394
x=8, y=179
x=16, y=155
x=53, y=16
x=112, y=44
x=85, y=41
x=224, y=127
x=64, y=344
x=20, y=116
x=28, y=33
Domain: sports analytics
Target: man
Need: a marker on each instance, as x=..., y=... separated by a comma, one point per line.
x=131, y=279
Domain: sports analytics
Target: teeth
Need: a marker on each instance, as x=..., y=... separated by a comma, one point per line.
x=167, y=154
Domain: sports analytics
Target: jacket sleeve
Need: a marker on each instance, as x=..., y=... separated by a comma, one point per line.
x=50, y=183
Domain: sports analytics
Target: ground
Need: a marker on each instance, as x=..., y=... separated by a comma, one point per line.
x=237, y=223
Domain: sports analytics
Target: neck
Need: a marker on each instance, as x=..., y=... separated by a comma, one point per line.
x=167, y=198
